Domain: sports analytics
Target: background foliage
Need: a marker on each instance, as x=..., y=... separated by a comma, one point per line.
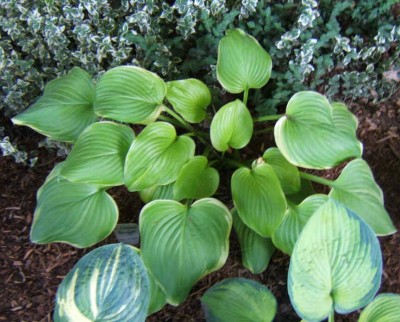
x=340, y=48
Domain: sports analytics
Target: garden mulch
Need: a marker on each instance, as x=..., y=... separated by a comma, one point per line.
x=30, y=274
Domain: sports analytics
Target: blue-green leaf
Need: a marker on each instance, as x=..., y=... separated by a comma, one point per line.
x=384, y=308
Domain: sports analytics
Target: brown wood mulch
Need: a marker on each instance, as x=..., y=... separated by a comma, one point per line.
x=30, y=274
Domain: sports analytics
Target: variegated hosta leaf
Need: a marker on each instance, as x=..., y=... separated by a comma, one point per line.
x=75, y=213
x=315, y=134
x=242, y=62
x=157, y=192
x=190, y=98
x=196, y=180
x=358, y=191
x=336, y=264
x=285, y=236
x=384, y=308
x=256, y=250
x=232, y=126
x=130, y=94
x=258, y=198
x=108, y=284
x=239, y=299
x=287, y=173
x=180, y=244
x=64, y=110
x=156, y=156
x=98, y=156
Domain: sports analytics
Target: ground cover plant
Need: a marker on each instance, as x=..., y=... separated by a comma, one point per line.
x=173, y=163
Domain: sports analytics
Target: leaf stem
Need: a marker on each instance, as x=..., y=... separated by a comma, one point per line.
x=266, y=130
x=236, y=164
x=266, y=118
x=332, y=316
x=185, y=124
x=317, y=179
x=245, y=96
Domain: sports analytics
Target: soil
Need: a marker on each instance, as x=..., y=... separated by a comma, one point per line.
x=30, y=274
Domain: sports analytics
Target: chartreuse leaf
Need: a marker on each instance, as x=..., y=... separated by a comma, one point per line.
x=258, y=198
x=287, y=173
x=196, y=180
x=336, y=264
x=358, y=191
x=157, y=295
x=157, y=192
x=242, y=62
x=314, y=134
x=256, y=250
x=190, y=98
x=75, y=213
x=98, y=155
x=384, y=308
x=130, y=94
x=285, y=236
x=64, y=110
x=108, y=284
x=239, y=299
x=156, y=156
x=232, y=126
x=180, y=244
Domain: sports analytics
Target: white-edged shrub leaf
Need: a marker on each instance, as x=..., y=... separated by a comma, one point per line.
x=239, y=299
x=98, y=156
x=64, y=110
x=336, y=264
x=180, y=244
x=108, y=284
x=130, y=94
x=156, y=156
x=384, y=308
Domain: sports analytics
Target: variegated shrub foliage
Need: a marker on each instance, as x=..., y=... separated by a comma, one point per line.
x=336, y=262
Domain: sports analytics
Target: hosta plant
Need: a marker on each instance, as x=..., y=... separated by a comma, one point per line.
x=174, y=163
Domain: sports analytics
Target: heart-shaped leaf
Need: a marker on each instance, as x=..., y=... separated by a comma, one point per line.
x=358, y=191
x=306, y=190
x=158, y=192
x=64, y=110
x=180, y=244
x=314, y=134
x=98, y=156
x=130, y=94
x=336, y=264
x=258, y=198
x=232, y=126
x=196, y=180
x=75, y=213
x=285, y=236
x=190, y=98
x=256, y=250
x=287, y=173
x=157, y=295
x=108, y=284
x=156, y=156
x=384, y=308
x=239, y=299
x=242, y=62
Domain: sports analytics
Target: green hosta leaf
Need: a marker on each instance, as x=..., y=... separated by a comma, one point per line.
x=306, y=190
x=190, y=98
x=157, y=295
x=239, y=299
x=357, y=190
x=259, y=198
x=157, y=192
x=130, y=94
x=256, y=250
x=287, y=173
x=242, y=62
x=232, y=126
x=98, y=156
x=75, y=213
x=314, y=134
x=180, y=244
x=156, y=156
x=64, y=110
x=285, y=236
x=108, y=284
x=196, y=180
x=336, y=264
x=384, y=308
